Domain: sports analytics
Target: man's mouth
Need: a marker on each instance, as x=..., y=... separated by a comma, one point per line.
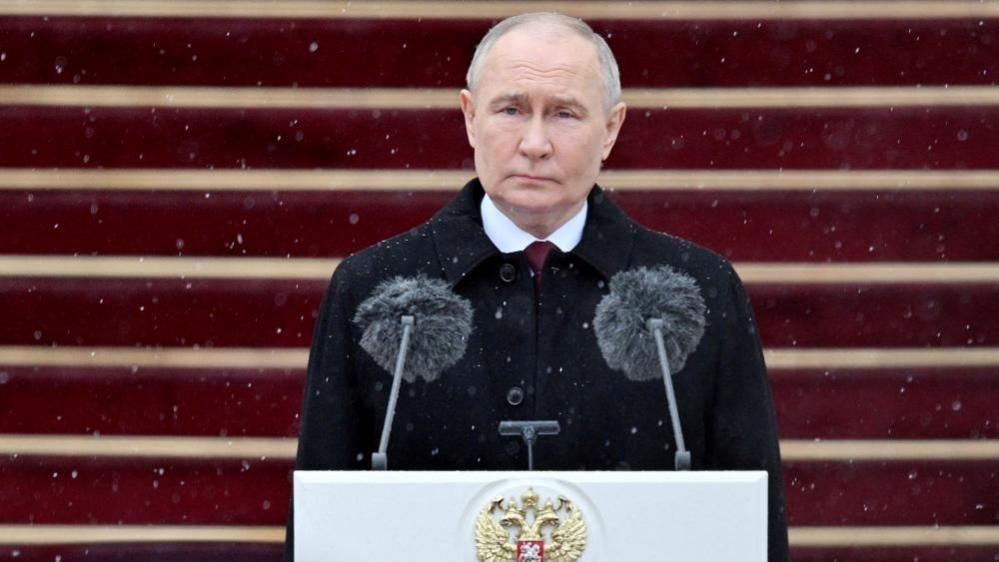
x=533, y=178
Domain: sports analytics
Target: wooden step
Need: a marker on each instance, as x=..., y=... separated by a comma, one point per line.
x=887, y=403
x=109, y=491
x=281, y=313
x=746, y=138
x=743, y=224
x=412, y=51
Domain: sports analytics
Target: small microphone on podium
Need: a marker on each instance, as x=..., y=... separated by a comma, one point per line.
x=414, y=328
x=647, y=325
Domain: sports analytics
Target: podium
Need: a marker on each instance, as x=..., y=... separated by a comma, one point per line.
x=360, y=516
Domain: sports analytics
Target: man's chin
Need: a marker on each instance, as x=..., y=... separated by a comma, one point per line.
x=536, y=212
x=530, y=203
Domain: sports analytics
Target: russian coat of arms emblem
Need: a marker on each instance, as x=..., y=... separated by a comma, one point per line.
x=529, y=532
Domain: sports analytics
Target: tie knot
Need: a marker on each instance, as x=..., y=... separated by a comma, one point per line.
x=537, y=253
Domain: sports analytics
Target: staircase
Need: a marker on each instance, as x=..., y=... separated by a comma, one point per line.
x=178, y=179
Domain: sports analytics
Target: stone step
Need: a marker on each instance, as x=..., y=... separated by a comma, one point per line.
x=280, y=313
x=835, y=403
x=155, y=491
x=162, y=551
x=411, y=50
x=728, y=138
x=296, y=219
x=272, y=552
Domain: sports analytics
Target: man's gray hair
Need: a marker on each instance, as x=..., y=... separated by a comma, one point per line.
x=610, y=75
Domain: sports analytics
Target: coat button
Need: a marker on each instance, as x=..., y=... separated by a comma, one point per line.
x=515, y=396
x=507, y=272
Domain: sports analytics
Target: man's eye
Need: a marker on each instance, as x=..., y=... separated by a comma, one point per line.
x=510, y=110
x=565, y=114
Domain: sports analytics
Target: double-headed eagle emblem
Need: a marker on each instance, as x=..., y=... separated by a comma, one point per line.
x=492, y=536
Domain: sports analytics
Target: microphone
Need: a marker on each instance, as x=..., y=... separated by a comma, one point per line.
x=647, y=325
x=415, y=328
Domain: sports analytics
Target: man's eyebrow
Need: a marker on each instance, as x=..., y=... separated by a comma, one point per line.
x=504, y=99
x=570, y=103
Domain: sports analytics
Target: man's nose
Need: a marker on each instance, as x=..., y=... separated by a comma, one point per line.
x=535, y=143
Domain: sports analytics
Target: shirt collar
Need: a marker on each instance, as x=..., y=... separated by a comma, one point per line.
x=509, y=237
x=462, y=244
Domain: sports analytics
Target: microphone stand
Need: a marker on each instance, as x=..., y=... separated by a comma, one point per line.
x=529, y=431
x=681, y=460
x=379, y=460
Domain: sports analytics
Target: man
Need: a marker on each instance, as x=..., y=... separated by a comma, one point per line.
x=542, y=111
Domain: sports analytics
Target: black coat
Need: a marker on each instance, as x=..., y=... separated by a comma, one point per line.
x=549, y=352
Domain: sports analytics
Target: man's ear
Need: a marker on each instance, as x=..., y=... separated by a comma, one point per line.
x=614, y=121
x=465, y=97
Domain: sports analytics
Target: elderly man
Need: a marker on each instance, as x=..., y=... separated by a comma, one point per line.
x=532, y=244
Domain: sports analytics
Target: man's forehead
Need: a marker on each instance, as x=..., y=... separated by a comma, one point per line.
x=545, y=48
x=526, y=62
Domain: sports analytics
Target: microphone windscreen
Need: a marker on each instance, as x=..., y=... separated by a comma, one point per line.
x=621, y=320
x=442, y=324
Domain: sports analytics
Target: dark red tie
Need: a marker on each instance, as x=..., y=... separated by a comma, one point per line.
x=537, y=253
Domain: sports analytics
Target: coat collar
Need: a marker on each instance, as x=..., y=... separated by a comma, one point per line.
x=462, y=243
x=608, y=237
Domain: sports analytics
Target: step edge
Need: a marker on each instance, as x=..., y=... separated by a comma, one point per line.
x=284, y=448
x=449, y=181
x=255, y=97
x=486, y=9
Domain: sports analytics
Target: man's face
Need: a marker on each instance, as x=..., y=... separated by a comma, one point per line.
x=538, y=123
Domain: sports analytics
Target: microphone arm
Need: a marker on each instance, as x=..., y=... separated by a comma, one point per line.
x=379, y=460
x=529, y=431
x=681, y=459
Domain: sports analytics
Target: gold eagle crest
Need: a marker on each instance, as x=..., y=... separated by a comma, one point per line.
x=493, y=536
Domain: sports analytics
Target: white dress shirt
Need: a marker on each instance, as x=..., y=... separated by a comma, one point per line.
x=509, y=237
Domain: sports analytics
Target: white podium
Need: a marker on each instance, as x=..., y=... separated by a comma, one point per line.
x=558, y=516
